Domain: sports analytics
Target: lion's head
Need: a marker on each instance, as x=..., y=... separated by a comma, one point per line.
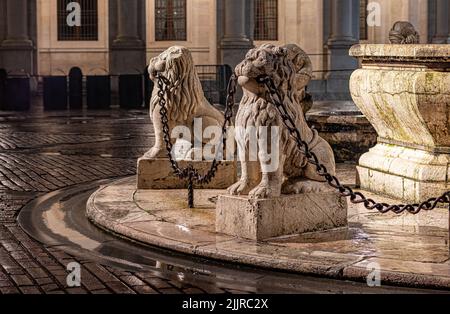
x=177, y=65
x=403, y=33
x=289, y=67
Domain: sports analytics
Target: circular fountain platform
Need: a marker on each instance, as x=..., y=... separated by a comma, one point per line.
x=410, y=250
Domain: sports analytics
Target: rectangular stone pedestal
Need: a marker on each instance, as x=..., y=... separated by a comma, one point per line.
x=282, y=216
x=158, y=174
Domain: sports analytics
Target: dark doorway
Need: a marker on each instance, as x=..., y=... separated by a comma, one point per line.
x=55, y=92
x=3, y=78
x=131, y=91
x=98, y=92
x=18, y=93
x=75, y=88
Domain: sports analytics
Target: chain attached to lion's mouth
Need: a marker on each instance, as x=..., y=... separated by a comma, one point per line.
x=167, y=82
x=189, y=173
x=263, y=79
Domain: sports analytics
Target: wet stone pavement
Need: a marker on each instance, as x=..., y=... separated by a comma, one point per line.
x=43, y=152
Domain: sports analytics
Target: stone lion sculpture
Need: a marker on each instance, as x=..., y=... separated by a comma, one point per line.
x=184, y=102
x=403, y=33
x=291, y=70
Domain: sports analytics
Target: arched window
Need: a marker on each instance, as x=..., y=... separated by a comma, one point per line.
x=266, y=20
x=86, y=29
x=363, y=32
x=170, y=20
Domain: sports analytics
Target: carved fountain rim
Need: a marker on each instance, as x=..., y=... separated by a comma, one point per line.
x=405, y=53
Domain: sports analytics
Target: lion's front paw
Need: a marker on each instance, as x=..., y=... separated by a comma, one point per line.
x=238, y=188
x=155, y=152
x=260, y=192
x=304, y=187
x=263, y=191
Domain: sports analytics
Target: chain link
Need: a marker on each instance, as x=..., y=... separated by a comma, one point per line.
x=333, y=181
x=189, y=173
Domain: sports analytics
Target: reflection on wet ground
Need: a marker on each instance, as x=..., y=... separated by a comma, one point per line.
x=59, y=220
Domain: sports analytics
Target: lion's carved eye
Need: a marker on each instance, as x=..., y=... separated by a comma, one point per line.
x=250, y=53
x=176, y=54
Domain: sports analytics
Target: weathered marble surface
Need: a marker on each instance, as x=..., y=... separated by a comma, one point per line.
x=157, y=173
x=418, y=53
x=404, y=91
x=411, y=250
x=286, y=215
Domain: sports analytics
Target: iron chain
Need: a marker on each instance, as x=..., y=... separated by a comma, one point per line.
x=333, y=181
x=192, y=175
x=189, y=173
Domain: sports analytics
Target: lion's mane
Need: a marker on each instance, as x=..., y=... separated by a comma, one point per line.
x=403, y=33
x=291, y=70
x=186, y=91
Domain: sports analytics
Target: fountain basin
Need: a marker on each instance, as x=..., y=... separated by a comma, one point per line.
x=404, y=92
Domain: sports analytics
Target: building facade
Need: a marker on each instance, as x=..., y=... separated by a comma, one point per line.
x=46, y=37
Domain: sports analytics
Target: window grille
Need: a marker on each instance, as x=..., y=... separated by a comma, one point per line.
x=170, y=20
x=88, y=30
x=266, y=20
x=363, y=31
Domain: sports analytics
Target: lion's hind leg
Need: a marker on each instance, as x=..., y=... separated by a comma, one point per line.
x=309, y=181
x=158, y=150
x=325, y=154
x=303, y=186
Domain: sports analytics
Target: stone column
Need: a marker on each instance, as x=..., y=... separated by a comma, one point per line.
x=442, y=35
x=17, y=48
x=127, y=49
x=343, y=35
x=236, y=41
x=127, y=23
x=17, y=23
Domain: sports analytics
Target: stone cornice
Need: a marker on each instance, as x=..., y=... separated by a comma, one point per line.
x=404, y=53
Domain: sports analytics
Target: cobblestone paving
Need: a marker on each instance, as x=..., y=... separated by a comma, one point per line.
x=45, y=152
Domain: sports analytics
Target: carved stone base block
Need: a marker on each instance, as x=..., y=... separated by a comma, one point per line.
x=286, y=215
x=158, y=174
x=410, y=174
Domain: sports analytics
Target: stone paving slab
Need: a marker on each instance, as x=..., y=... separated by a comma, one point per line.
x=410, y=252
